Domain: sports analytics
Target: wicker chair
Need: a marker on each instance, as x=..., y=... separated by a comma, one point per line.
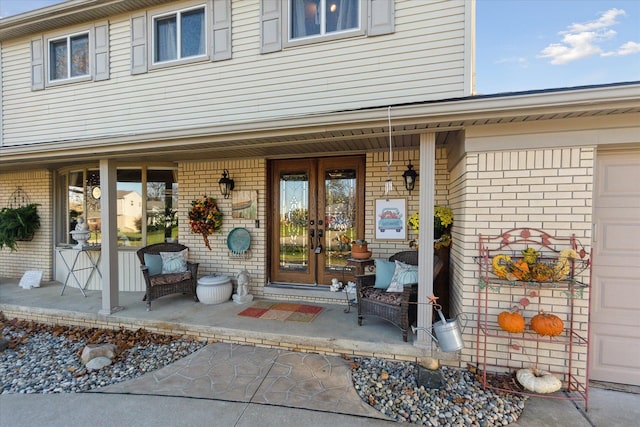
x=160, y=285
x=394, y=307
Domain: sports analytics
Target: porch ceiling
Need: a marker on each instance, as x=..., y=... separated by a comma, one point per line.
x=343, y=132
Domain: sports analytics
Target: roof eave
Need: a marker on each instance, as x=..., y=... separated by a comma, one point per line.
x=68, y=13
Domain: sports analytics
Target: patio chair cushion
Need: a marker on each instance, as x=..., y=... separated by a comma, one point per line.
x=384, y=273
x=381, y=295
x=153, y=263
x=404, y=274
x=169, y=278
x=174, y=262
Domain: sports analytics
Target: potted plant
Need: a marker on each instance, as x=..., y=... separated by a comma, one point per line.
x=18, y=224
x=359, y=246
x=442, y=222
x=360, y=249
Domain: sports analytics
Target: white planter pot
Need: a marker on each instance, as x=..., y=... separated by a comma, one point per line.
x=214, y=289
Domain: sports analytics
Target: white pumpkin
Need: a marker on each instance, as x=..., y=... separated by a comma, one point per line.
x=538, y=381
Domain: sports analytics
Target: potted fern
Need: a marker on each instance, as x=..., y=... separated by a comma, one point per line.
x=18, y=224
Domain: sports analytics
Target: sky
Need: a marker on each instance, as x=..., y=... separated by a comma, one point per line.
x=533, y=44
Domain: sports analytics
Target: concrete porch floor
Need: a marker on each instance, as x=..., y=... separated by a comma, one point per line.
x=333, y=332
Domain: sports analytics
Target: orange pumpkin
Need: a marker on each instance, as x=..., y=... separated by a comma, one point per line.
x=547, y=324
x=512, y=322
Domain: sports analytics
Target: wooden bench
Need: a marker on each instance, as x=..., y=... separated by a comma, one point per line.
x=159, y=285
x=394, y=307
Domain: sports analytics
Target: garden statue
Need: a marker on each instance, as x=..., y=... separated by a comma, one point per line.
x=81, y=234
x=242, y=295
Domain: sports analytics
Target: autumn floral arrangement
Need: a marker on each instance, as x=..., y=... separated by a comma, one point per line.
x=442, y=222
x=205, y=218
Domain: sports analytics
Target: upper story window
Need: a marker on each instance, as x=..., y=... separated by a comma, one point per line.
x=179, y=35
x=69, y=57
x=200, y=31
x=312, y=18
x=293, y=23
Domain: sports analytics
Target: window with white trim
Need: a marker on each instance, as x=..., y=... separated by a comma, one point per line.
x=62, y=58
x=69, y=57
x=317, y=18
x=293, y=23
x=179, y=35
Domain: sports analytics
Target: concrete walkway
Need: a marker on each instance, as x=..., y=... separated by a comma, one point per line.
x=237, y=385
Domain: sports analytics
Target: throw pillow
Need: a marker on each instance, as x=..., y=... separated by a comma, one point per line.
x=384, y=273
x=174, y=262
x=153, y=263
x=404, y=274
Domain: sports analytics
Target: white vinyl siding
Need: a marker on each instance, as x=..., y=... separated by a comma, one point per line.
x=422, y=60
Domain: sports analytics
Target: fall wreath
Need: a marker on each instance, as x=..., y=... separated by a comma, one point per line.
x=205, y=218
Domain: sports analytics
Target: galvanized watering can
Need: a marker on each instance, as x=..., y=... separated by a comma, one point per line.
x=447, y=333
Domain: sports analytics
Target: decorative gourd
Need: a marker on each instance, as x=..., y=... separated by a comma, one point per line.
x=520, y=270
x=512, y=322
x=547, y=324
x=499, y=267
x=541, y=272
x=538, y=381
x=563, y=265
x=530, y=255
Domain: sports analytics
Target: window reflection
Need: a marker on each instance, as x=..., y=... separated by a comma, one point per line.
x=129, y=207
x=75, y=199
x=310, y=18
x=83, y=199
x=162, y=203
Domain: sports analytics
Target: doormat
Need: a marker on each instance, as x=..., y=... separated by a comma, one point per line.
x=285, y=311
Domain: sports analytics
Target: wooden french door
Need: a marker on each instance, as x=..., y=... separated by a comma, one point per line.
x=317, y=211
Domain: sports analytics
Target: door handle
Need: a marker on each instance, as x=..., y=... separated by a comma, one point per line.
x=319, y=246
x=312, y=234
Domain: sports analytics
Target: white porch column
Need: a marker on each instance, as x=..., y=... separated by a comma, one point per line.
x=425, y=238
x=109, y=225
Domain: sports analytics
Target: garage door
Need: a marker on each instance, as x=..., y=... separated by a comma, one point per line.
x=615, y=305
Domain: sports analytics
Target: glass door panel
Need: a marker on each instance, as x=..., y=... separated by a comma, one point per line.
x=293, y=255
x=340, y=218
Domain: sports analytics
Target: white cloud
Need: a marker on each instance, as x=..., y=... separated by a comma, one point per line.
x=584, y=40
x=519, y=60
x=606, y=20
x=629, y=48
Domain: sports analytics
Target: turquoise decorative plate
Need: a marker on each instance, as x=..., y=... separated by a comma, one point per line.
x=239, y=240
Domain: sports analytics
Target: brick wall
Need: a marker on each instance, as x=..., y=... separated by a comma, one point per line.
x=36, y=254
x=201, y=178
x=492, y=192
x=375, y=185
